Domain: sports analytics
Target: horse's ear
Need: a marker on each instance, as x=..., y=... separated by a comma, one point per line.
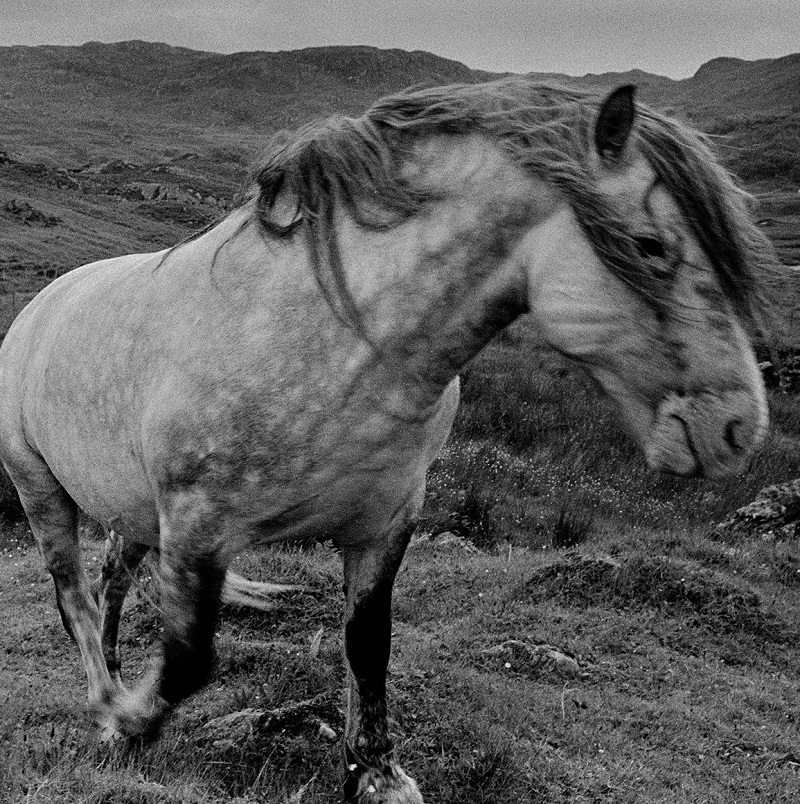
x=614, y=124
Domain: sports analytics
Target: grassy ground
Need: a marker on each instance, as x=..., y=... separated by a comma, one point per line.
x=674, y=673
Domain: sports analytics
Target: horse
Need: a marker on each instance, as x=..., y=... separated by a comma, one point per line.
x=292, y=371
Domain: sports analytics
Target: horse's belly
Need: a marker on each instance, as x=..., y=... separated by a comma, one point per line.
x=108, y=488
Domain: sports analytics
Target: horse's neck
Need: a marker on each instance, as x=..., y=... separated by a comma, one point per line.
x=436, y=289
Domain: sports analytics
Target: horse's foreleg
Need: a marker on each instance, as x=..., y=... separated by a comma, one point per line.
x=192, y=570
x=120, y=559
x=371, y=774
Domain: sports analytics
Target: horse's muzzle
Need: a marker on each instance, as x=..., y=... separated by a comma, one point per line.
x=708, y=434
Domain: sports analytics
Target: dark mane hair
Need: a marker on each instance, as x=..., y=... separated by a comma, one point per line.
x=716, y=209
x=356, y=163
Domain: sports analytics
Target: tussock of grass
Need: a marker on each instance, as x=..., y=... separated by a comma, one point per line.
x=706, y=597
x=573, y=526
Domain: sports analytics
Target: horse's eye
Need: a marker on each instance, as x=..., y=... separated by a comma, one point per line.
x=650, y=247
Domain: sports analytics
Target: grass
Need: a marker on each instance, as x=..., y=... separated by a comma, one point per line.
x=682, y=678
x=686, y=687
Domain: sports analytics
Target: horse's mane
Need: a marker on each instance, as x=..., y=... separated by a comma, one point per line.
x=716, y=209
x=548, y=130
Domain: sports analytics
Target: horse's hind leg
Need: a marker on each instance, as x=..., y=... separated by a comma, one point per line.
x=53, y=517
x=120, y=559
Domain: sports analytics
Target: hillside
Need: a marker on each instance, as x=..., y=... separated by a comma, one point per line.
x=112, y=148
x=60, y=101
x=134, y=91
x=144, y=77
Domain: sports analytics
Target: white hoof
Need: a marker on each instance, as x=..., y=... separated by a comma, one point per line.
x=108, y=732
x=133, y=714
x=392, y=787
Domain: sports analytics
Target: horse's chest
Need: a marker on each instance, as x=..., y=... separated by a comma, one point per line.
x=277, y=470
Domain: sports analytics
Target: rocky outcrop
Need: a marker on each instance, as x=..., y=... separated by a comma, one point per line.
x=154, y=191
x=774, y=514
x=782, y=372
x=29, y=215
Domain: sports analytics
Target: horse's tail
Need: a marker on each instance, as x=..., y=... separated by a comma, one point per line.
x=242, y=592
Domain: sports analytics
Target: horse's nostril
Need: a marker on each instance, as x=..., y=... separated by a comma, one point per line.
x=732, y=433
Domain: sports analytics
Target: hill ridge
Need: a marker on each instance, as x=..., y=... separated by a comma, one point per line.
x=93, y=135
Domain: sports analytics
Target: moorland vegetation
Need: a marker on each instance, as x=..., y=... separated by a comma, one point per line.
x=568, y=627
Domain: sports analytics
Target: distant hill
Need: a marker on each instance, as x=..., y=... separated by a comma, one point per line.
x=728, y=86
x=752, y=106
x=135, y=84
x=132, y=85
x=721, y=87
x=112, y=148
x=146, y=72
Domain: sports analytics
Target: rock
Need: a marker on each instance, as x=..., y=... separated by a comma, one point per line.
x=774, y=514
x=236, y=727
x=112, y=166
x=240, y=727
x=446, y=540
x=781, y=369
x=29, y=215
x=525, y=656
x=153, y=191
x=453, y=540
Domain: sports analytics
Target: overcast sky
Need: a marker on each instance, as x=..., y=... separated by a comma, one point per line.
x=670, y=37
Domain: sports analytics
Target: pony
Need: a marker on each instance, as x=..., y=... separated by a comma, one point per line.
x=293, y=370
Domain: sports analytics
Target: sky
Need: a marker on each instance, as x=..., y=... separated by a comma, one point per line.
x=668, y=37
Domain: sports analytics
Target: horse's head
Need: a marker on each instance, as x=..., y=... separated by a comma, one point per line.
x=664, y=335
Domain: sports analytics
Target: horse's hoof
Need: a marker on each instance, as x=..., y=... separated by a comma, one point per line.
x=390, y=786
x=107, y=732
x=133, y=715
